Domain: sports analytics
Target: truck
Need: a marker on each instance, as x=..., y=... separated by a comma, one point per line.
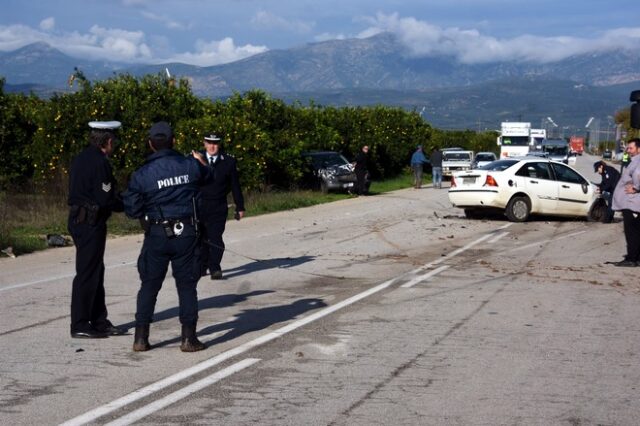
x=456, y=159
x=536, y=136
x=576, y=143
x=514, y=139
x=556, y=149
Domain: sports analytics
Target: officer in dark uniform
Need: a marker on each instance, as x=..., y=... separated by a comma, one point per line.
x=161, y=193
x=92, y=198
x=609, y=181
x=361, y=166
x=214, y=203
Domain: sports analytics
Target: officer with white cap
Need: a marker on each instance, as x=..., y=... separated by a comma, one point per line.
x=92, y=199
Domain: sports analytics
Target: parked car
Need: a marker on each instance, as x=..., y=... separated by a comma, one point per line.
x=522, y=187
x=482, y=159
x=329, y=171
x=607, y=154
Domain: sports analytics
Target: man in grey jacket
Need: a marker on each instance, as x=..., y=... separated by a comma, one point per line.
x=626, y=198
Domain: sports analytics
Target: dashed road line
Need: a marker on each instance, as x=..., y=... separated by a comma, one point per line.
x=182, y=393
x=424, y=277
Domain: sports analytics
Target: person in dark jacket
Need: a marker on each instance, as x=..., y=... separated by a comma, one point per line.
x=92, y=198
x=162, y=195
x=610, y=178
x=361, y=168
x=213, y=202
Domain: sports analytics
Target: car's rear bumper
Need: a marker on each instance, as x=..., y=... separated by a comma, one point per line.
x=476, y=198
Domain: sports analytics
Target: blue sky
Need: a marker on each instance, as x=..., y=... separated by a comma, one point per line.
x=210, y=32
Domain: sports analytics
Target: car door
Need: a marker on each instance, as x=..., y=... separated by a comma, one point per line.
x=540, y=186
x=574, y=191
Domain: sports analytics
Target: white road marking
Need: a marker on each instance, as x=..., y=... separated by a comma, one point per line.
x=506, y=226
x=182, y=393
x=424, y=277
x=546, y=241
x=98, y=412
x=61, y=277
x=498, y=237
x=94, y=414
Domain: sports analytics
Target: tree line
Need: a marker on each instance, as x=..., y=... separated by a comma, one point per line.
x=39, y=137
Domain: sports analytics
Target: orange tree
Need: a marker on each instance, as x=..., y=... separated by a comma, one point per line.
x=17, y=126
x=62, y=122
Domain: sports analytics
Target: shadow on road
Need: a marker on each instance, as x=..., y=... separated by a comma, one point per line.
x=222, y=301
x=252, y=320
x=263, y=264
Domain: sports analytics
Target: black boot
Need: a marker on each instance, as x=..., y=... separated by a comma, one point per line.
x=190, y=342
x=141, y=338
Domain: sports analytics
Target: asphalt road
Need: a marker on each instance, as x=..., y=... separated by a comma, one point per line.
x=388, y=309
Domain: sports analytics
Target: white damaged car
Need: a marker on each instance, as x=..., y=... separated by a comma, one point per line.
x=522, y=187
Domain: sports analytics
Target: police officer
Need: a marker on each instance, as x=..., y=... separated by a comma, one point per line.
x=360, y=166
x=161, y=193
x=214, y=202
x=610, y=178
x=92, y=198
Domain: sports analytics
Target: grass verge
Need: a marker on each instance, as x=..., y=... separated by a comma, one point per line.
x=26, y=219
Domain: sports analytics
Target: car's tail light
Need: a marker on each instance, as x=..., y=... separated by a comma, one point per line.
x=490, y=181
x=453, y=182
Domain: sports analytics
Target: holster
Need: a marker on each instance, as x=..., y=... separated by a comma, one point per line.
x=88, y=214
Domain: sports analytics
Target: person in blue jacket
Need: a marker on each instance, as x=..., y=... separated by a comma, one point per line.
x=162, y=195
x=418, y=160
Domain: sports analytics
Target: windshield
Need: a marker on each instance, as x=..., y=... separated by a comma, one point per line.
x=556, y=150
x=321, y=161
x=485, y=157
x=456, y=156
x=500, y=165
x=515, y=140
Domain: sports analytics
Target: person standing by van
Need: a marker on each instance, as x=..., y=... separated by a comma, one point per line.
x=436, y=167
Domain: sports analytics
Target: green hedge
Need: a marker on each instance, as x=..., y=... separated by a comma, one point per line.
x=264, y=134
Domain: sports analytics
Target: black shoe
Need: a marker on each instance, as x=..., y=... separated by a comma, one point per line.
x=89, y=334
x=216, y=275
x=626, y=263
x=112, y=330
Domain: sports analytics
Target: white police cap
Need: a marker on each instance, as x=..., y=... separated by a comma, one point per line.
x=212, y=138
x=105, y=125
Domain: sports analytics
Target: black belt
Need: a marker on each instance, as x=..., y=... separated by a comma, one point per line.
x=171, y=220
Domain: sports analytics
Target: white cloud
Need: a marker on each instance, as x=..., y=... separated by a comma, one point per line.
x=329, y=36
x=217, y=52
x=48, y=24
x=166, y=21
x=471, y=46
x=99, y=43
x=267, y=20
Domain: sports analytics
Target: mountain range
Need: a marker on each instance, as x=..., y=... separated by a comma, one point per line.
x=378, y=70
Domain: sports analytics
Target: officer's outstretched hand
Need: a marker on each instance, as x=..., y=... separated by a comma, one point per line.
x=198, y=156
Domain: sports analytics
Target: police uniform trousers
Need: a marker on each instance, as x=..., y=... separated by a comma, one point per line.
x=157, y=252
x=631, y=222
x=361, y=185
x=214, y=220
x=88, y=308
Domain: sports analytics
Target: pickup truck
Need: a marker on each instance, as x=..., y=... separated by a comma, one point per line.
x=454, y=160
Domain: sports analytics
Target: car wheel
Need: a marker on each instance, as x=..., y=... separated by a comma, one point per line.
x=598, y=212
x=324, y=188
x=518, y=209
x=472, y=214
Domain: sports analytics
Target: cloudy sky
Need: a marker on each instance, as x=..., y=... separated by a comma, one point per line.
x=210, y=32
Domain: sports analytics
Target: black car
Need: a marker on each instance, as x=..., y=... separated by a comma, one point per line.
x=328, y=171
x=607, y=154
